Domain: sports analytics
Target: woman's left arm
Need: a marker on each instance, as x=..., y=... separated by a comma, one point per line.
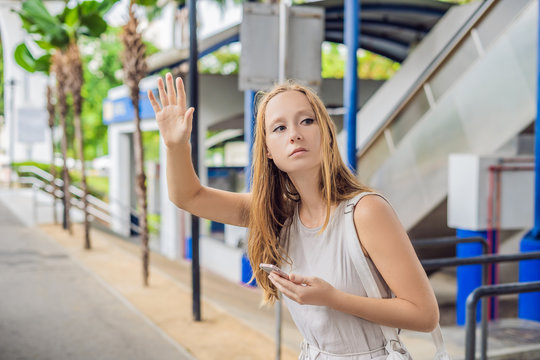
x=387, y=244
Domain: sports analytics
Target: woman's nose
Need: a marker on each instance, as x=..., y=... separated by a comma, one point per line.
x=295, y=135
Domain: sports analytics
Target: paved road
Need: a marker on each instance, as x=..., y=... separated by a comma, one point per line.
x=51, y=308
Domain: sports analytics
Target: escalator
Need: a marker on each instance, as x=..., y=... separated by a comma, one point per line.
x=468, y=87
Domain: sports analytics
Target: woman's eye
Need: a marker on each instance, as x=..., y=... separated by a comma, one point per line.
x=279, y=128
x=308, y=121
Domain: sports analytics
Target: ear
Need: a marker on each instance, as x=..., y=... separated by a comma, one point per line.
x=268, y=155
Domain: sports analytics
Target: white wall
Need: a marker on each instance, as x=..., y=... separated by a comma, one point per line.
x=29, y=92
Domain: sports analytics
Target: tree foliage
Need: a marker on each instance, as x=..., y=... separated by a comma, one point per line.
x=226, y=61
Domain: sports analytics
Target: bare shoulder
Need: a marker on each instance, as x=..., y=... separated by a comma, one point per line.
x=372, y=208
x=378, y=226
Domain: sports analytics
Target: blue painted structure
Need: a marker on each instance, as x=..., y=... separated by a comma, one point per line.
x=122, y=109
x=529, y=304
x=249, y=130
x=469, y=277
x=249, y=138
x=352, y=19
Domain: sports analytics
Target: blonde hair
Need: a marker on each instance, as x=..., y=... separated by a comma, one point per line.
x=274, y=196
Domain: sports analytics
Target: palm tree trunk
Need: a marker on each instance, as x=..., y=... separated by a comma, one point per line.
x=141, y=185
x=80, y=145
x=59, y=64
x=76, y=81
x=51, y=112
x=134, y=63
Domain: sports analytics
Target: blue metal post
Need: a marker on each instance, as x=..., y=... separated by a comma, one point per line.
x=469, y=277
x=536, y=229
x=249, y=133
x=249, y=138
x=528, y=304
x=351, y=26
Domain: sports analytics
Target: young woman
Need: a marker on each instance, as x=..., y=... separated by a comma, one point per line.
x=295, y=214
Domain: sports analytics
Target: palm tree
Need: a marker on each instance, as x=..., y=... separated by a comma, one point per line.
x=58, y=68
x=75, y=83
x=58, y=35
x=24, y=59
x=52, y=117
x=134, y=62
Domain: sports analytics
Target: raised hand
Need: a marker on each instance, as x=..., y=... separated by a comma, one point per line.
x=173, y=120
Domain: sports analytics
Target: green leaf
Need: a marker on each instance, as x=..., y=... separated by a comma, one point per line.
x=88, y=7
x=105, y=6
x=35, y=12
x=43, y=64
x=58, y=39
x=24, y=58
x=146, y=2
x=71, y=17
x=44, y=45
x=95, y=24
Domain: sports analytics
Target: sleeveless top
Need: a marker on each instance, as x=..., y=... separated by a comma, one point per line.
x=328, y=333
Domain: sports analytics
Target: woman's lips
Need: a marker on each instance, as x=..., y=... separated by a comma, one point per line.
x=298, y=151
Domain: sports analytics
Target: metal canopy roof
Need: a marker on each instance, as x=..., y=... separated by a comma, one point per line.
x=387, y=27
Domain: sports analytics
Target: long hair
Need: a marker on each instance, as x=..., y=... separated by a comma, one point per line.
x=274, y=196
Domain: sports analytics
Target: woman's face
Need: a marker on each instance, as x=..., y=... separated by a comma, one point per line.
x=293, y=137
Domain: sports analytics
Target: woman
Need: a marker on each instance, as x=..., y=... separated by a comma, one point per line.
x=295, y=212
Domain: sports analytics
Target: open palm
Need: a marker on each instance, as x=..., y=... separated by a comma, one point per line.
x=173, y=120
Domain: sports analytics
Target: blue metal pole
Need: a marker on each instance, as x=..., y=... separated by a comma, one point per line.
x=249, y=133
x=249, y=138
x=529, y=270
x=351, y=26
x=536, y=229
x=469, y=277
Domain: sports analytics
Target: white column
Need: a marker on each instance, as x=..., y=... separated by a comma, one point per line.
x=119, y=182
x=172, y=235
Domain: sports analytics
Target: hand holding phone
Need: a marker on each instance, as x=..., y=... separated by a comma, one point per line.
x=273, y=268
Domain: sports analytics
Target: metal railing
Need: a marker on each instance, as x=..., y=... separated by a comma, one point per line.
x=472, y=300
x=450, y=240
x=97, y=209
x=433, y=264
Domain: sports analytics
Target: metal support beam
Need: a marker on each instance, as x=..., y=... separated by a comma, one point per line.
x=194, y=102
x=351, y=25
x=536, y=228
x=249, y=131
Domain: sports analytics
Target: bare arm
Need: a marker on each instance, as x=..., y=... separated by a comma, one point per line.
x=185, y=189
x=388, y=245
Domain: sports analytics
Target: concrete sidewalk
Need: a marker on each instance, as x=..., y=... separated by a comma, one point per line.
x=51, y=308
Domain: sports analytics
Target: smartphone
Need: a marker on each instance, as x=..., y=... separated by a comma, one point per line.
x=269, y=268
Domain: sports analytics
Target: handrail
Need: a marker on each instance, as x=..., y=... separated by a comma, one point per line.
x=98, y=208
x=60, y=183
x=477, y=260
x=472, y=300
x=450, y=240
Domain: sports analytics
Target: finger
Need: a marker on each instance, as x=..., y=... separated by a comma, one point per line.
x=278, y=285
x=162, y=93
x=188, y=116
x=286, y=287
x=181, y=100
x=153, y=102
x=171, y=93
x=298, y=279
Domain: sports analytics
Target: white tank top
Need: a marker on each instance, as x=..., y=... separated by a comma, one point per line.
x=328, y=333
